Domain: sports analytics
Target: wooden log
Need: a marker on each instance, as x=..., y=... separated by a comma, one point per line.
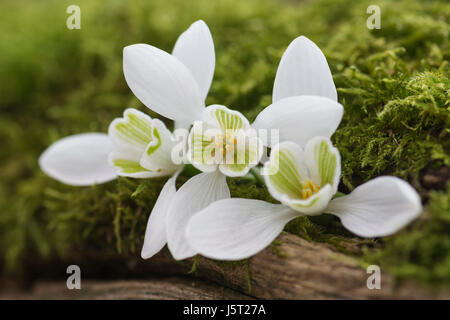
x=307, y=270
x=172, y=288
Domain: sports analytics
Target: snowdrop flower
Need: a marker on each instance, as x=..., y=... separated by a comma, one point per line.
x=142, y=146
x=304, y=105
x=136, y=146
x=304, y=181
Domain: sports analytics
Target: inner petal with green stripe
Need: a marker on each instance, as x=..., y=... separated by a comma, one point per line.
x=157, y=156
x=133, y=131
x=303, y=180
x=218, y=116
x=135, y=137
x=323, y=162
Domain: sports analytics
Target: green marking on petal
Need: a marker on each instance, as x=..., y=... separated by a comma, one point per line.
x=304, y=206
x=139, y=123
x=155, y=147
x=287, y=179
x=128, y=166
x=203, y=148
x=228, y=120
x=243, y=159
x=134, y=129
x=327, y=162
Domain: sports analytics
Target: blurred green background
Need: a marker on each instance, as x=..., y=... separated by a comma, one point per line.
x=54, y=82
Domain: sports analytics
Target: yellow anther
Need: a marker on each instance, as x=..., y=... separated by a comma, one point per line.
x=309, y=188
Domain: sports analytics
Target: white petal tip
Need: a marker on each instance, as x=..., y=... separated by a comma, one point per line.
x=79, y=160
x=378, y=208
x=303, y=70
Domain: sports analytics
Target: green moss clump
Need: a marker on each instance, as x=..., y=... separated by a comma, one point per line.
x=393, y=83
x=397, y=122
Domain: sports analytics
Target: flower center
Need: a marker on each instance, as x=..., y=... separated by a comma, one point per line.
x=226, y=143
x=309, y=188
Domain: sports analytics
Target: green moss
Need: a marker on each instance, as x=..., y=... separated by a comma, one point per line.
x=397, y=122
x=393, y=83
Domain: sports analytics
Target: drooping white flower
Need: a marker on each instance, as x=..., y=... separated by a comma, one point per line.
x=296, y=112
x=304, y=181
x=136, y=146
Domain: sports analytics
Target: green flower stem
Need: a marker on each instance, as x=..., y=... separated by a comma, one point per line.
x=255, y=171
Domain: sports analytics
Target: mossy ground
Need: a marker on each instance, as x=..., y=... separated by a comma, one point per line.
x=393, y=83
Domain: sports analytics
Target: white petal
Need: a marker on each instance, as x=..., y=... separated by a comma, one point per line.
x=195, y=48
x=79, y=160
x=155, y=234
x=197, y=193
x=234, y=229
x=301, y=118
x=182, y=125
x=303, y=70
x=377, y=208
x=162, y=82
